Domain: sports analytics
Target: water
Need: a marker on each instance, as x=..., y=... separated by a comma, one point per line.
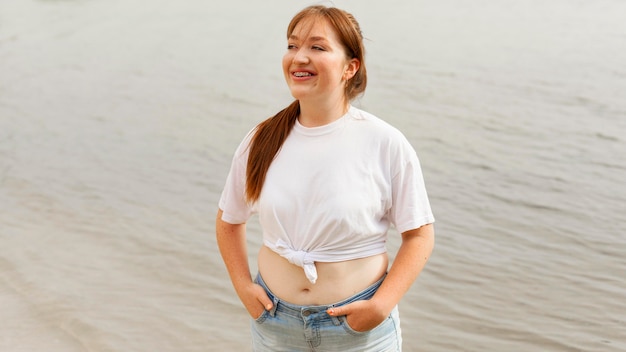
x=118, y=120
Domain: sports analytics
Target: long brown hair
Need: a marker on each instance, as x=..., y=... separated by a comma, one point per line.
x=270, y=134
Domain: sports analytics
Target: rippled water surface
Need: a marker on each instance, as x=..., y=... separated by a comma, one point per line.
x=118, y=120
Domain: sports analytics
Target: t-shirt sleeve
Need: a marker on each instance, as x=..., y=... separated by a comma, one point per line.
x=235, y=208
x=410, y=205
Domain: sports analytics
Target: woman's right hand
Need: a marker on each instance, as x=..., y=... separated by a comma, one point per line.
x=256, y=300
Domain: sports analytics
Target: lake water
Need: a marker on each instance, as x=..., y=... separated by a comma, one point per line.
x=118, y=120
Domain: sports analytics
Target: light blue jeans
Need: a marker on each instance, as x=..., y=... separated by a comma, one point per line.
x=290, y=327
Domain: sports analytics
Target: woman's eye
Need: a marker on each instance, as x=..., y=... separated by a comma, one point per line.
x=318, y=48
x=291, y=46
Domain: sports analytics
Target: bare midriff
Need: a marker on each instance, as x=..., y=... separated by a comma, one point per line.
x=336, y=281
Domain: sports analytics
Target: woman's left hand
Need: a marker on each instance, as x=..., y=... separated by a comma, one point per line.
x=361, y=315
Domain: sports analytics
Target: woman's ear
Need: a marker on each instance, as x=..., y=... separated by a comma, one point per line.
x=351, y=68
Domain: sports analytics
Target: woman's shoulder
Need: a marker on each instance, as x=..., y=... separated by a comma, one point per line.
x=374, y=124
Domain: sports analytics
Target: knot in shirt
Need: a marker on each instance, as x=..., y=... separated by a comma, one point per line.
x=297, y=257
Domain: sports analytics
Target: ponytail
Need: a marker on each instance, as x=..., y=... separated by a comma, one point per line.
x=266, y=142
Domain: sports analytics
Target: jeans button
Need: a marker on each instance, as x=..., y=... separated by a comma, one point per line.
x=306, y=313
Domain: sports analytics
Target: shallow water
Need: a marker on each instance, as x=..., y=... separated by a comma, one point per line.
x=118, y=121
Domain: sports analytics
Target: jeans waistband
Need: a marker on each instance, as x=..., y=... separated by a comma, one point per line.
x=296, y=309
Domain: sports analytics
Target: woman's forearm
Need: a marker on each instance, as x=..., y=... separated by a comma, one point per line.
x=231, y=240
x=416, y=247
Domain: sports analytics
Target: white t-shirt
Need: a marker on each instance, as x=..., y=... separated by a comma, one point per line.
x=332, y=191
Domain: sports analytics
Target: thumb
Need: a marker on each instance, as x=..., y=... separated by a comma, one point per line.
x=266, y=302
x=264, y=299
x=338, y=311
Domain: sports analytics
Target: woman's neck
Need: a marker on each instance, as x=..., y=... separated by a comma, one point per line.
x=314, y=114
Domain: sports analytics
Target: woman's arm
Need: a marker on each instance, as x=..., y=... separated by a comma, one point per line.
x=231, y=240
x=416, y=247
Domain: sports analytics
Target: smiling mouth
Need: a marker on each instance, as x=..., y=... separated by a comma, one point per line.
x=302, y=74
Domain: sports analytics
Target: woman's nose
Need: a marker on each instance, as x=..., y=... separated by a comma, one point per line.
x=300, y=57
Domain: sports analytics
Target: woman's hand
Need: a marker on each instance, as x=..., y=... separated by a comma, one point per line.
x=417, y=245
x=255, y=299
x=361, y=315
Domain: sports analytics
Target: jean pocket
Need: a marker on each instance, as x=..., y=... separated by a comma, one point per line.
x=351, y=331
x=262, y=317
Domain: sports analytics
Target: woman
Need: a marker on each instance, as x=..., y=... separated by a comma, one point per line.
x=327, y=180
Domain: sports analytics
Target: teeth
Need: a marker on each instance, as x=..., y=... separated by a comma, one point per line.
x=301, y=74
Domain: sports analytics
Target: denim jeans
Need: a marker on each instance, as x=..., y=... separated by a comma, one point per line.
x=290, y=327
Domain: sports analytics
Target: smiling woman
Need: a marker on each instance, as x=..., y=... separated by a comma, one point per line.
x=317, y=68
x=118, y=123
x=327, y=181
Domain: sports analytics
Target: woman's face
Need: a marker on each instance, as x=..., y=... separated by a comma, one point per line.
x=316, y=65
